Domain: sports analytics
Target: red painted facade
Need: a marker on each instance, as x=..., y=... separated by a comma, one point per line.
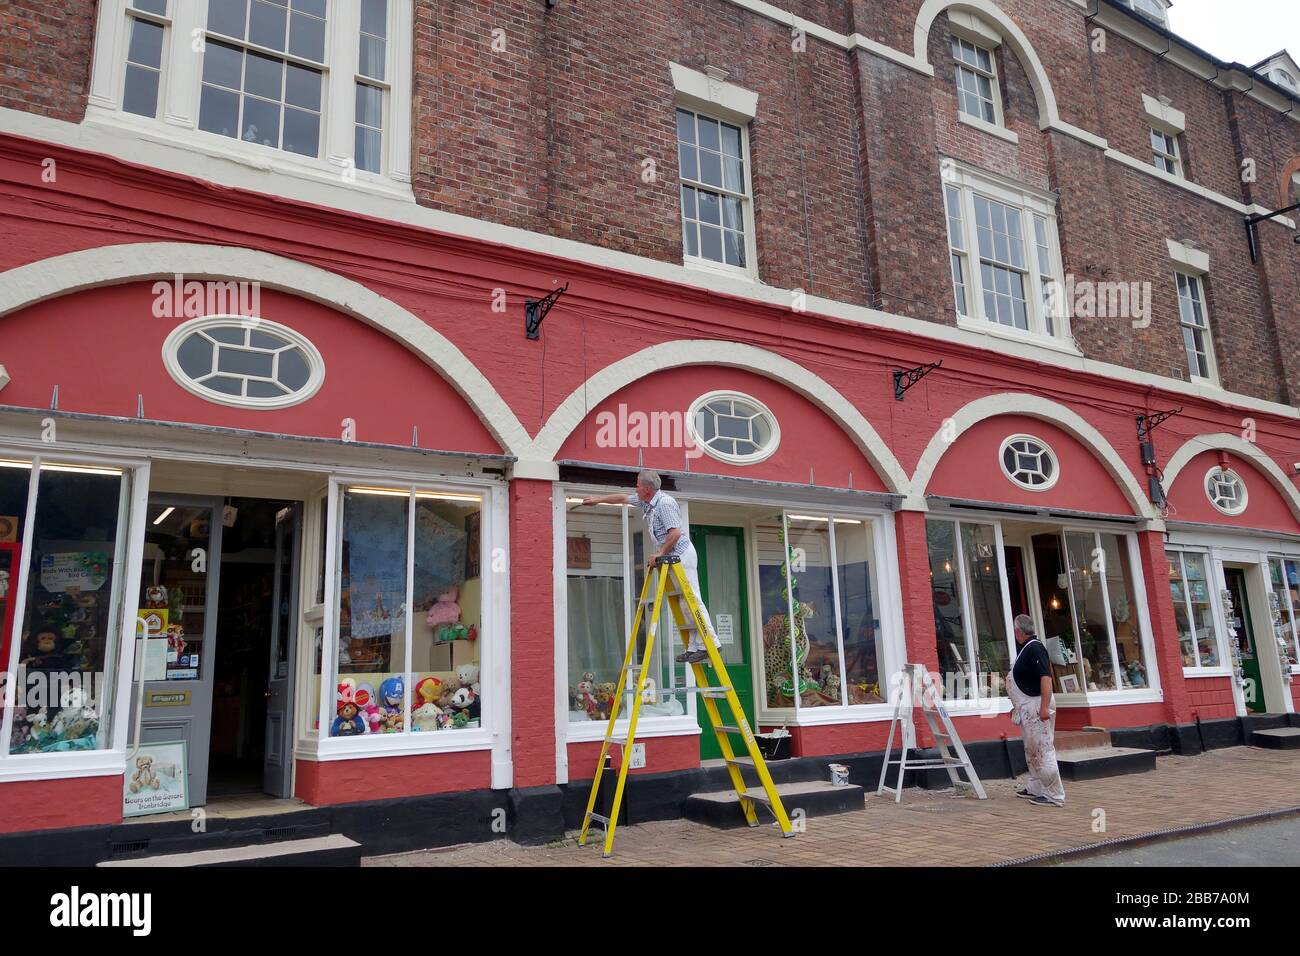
x=825, y=375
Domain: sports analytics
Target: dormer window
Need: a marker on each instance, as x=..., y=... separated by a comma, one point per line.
x=1285, y=79
x=1157, y=10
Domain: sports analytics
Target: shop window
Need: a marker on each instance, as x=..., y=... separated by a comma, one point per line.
x=819, y=573
x=1189, y=588
x=1226, y=490
x=400, y=672
x=605, y=572
x=970, y=618
x=62, y=628
x=237, y=361
x=1029, y=463
x=734, y=428
x=1284, y=578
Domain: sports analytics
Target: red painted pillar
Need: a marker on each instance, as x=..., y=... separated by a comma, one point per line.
x=532, y=633
x=1169, y=656
x=918, y=600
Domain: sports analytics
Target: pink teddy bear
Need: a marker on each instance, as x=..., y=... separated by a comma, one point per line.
x=446, y=610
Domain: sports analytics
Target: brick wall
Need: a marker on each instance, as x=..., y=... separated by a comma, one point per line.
x=45, y=53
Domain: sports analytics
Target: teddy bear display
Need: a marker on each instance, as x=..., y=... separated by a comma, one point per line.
x=144, y=777
x=444, y=617
x=368, y=704
x=428, y=716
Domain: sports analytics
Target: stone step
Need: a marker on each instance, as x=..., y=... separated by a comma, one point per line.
x=1281, y=738
x=333, y=850
x=1096, y=762
x=1091, y=738
x=816, y=798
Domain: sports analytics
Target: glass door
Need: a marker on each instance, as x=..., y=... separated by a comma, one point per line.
x=722, y=580
x=178, y=605
x=277, y=770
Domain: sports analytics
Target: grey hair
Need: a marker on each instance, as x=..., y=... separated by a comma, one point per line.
x=1026, y=624
x=650, y=479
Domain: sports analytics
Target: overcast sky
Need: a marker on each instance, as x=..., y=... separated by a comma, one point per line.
x=1242, y=31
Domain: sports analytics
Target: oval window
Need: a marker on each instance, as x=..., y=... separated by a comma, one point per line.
x=734, y=428
x=253, y=363
x=1226, y=490
x=1029, y=463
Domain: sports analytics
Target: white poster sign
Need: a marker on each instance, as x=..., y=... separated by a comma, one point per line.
x=155, y=780
x=724, y=626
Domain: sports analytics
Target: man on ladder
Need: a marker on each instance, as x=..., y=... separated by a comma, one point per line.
x=663, y=517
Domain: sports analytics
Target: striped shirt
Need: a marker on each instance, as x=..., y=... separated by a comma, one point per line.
x=662, y=514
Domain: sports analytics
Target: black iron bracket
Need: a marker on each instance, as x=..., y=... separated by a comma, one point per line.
x=905, y=379
x=1252, y=236
x=535, y=310
x=1149, y=423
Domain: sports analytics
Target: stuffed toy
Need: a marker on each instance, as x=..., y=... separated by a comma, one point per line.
x=427, y=717
x=427, y=691
x=369, y=708
x=43, y=652
x=585, y=697
x=468, y=675
x=391, y=700
x=144, y=777
x=444, y=613
x=348, y=723
x=465, y=701
x=155, y=596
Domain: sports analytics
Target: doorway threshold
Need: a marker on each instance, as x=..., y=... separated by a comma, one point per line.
x=232, y=807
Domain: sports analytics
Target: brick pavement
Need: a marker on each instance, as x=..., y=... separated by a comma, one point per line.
x=938, y=828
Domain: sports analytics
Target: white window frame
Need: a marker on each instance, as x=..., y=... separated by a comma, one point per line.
x=1289, y=618
x=1028, y=203
x=1216, y=612
x=1168, y=154
x=746, y=198
x=110, y=759
x=1151, y=9
x=493, y=632
x=964, y=38
x=1050, y=454
x=181, y=85
x=1196, y=280
x=1241, y=484
x=315, y=362
x=764, y=453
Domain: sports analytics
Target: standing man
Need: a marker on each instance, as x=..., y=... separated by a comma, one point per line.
x=664, y=519
x=1030, y=687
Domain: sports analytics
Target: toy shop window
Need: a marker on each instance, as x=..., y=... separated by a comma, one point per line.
x=400, y=672
x=62, y=624
x=1198, y=629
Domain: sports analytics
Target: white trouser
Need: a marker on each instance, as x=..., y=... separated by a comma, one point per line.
x=691, y=565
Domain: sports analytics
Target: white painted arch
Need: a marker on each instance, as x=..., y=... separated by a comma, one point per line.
x=677, y=354
x=1032, y=406
x=1012, y=36
x=113, y=265
x=1226, y=441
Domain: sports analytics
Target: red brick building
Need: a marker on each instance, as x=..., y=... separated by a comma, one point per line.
x=267, y=397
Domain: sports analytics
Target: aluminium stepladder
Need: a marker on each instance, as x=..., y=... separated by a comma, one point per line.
x=670, y=582
x=952, y=753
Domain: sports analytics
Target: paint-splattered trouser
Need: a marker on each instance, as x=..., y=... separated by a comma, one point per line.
x=1040, y=752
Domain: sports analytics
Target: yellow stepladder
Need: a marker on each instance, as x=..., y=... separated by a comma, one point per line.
x=670, y=581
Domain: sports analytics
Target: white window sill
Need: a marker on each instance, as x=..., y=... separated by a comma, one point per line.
x=1192, y=672
x=822, y=716
x=398, y=745
x=1110, y=698
x=593, y=731
x=157, y=134
x=1014, y=335
x=717, y=269
x=58, y=766
x=984, y=126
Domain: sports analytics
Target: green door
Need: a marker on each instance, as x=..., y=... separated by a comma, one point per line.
x=722, y=579
x=1240, y=619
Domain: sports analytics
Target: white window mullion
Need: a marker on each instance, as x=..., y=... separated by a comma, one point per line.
x=398, y=133
x=340, y=96
x=18, y=583
x=839, y=616
x=409, y=629
x=183, y=76
x=968, y=615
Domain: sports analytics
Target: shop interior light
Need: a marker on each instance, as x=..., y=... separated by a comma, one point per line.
x=163, y=517
x=83, y=469
x=385, y=492
x=808, y=518
x=847, y=521
x=406, y=493
x=448, y=496
x=15, y=463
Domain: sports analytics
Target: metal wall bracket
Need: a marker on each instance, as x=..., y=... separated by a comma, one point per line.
x=535, y=310
x=905, y=379
x=1149, y=423
x=1252, y=237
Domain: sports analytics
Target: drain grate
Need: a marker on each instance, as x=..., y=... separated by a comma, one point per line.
x=279, y=833
x=131, y=846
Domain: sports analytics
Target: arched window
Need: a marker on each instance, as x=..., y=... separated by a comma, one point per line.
x=734, y=428
x=1029, y=463
x=1226, y=490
